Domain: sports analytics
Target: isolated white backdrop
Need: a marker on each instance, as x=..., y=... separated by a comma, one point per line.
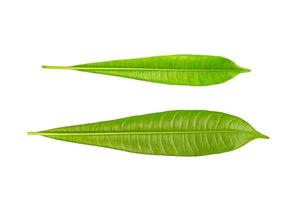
x=255, y=34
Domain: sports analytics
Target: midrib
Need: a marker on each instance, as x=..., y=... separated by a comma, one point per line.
x=133, y=133
x=155, y=69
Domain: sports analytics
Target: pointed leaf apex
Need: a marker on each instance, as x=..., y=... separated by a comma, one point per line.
x=243, y=70
x=263, y=136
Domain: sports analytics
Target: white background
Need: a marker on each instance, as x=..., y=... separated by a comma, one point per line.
x=254, y=34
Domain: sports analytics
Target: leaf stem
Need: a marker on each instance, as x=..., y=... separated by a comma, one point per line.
x=56, y=67
x=32, y=133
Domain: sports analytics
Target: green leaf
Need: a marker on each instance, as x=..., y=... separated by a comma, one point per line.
x=177, y=133
x=198, y=70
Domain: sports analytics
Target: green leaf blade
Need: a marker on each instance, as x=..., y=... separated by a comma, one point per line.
x=177, y=133
x=195, y=70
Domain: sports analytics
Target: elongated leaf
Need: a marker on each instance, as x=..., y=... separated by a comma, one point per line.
x=179, y=133
x=196, y=70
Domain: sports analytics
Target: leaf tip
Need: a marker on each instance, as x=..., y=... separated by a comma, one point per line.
x=244, y=70
x=263, y=136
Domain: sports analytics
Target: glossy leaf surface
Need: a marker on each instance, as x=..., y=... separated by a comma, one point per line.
x=196, y=70
x=177, y=133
